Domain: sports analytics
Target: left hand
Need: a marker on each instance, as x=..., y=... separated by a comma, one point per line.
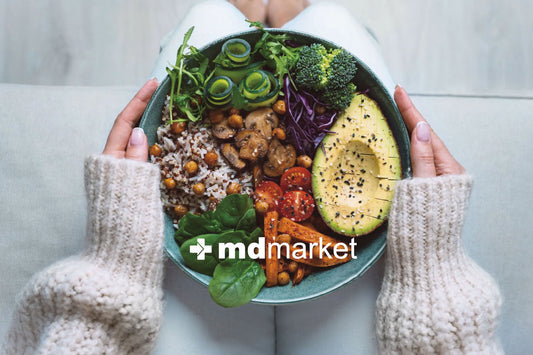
x=125, y=141
x=429, y=155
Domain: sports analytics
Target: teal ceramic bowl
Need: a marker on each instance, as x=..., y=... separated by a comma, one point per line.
x=369, y=248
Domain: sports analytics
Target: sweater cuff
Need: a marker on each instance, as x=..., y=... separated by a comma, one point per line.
x=426, y=218
x=125, y=218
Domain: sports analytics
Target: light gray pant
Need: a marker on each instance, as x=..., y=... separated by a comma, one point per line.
x=213, y=19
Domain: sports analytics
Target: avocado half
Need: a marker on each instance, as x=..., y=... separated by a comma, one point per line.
x=355, y=170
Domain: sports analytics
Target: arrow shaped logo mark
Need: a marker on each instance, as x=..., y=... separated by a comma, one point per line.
x=200, y=249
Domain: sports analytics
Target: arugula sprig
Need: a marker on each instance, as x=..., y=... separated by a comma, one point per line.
x=188, y=78
x=273, y=48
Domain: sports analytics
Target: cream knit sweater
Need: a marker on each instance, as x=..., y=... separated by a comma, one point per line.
x=107, y=300
x=434, y=298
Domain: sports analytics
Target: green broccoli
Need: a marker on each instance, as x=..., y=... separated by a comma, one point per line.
x=339, y=98
x=326, y=73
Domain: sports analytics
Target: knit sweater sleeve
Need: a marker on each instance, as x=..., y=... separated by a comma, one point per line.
x=108, y=300
x=434, y=298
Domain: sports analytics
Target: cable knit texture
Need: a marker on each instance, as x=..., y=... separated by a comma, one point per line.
x=434, y=298
x=108, y=300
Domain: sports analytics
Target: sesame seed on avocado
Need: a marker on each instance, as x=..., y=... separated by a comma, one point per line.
x=355, y=172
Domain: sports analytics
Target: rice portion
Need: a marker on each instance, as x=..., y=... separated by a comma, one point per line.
x=193, y=144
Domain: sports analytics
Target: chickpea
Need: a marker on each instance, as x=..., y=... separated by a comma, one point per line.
x=320, y=109
x=178, y=127
x=211, y=158
x=283, y=239
x=293, y=266
x=180, y=210
x=283, y=278
x=216, y=116
x=279, y=133
x=155, y=150
x=198, y=188
x=279, y=107
x=191, y=167
x=234, y=111
x=235, y=121
x=261, y=206
x=304, y=161
x=233, y=188
x=169, y=183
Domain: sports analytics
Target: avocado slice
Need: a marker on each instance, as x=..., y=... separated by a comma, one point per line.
x=355, y=170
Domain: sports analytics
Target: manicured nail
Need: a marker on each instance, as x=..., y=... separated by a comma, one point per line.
x=423, y=132
x=137, y=136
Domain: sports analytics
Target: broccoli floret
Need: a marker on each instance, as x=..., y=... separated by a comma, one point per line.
x=339, y=98
x=326, y=73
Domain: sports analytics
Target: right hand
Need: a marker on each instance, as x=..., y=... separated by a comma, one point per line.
x=429, y=155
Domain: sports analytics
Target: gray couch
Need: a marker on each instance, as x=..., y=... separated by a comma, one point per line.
x=48, y=130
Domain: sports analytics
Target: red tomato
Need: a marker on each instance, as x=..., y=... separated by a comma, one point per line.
x=296, y=178
x=269, y=192
x=297, y=205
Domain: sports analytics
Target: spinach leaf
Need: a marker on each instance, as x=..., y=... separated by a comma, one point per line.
x=236, y=282
x=247, y=222
x=206, y=266
x=254, y=236
x=231, y=209
x=192, y=225
x=232, y=237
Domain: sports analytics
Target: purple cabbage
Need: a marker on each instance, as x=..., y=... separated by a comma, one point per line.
x=304, y=126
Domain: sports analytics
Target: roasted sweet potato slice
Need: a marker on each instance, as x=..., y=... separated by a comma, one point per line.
x=271, y=258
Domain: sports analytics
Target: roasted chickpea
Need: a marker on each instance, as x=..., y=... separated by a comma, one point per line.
x=279, y=107
x=283, y=278
x=283, y=239
x=234, y=111
x=180, y=210
x=279, y=133
x=198, y=188
x=211, y=158
x=216, y=116
x=178, y=127
x=169, y=183
x=235, y=121
x=191, y=167
x=304, y=161
x=293, y=266
x=233, y=188
x=155, y=150
x=261, y=206
x=320, y=109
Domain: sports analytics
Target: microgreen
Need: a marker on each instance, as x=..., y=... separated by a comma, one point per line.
x=187, y=78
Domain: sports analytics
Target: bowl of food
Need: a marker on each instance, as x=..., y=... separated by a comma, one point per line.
x=279, y=153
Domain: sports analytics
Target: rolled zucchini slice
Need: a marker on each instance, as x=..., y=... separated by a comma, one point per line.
x=219, y=92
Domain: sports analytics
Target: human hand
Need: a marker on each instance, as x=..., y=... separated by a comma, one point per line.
x=429, y=155
x=125, y=141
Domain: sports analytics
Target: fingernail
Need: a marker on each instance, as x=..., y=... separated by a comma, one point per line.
x=137, y=136
x=423, y=132
x=156, y=79
x=398, y=86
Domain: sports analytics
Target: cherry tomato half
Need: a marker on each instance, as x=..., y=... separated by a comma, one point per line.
x=297, y=205
x=296, y=178
x=269, y=192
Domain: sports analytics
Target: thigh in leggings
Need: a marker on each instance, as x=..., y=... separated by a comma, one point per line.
x=334, y=23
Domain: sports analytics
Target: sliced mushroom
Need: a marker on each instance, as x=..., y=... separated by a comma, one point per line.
x=223, y=130
x=279, y=158
x=262, y=120
x=252, y=144
x=232, y=155
x=257, y=175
